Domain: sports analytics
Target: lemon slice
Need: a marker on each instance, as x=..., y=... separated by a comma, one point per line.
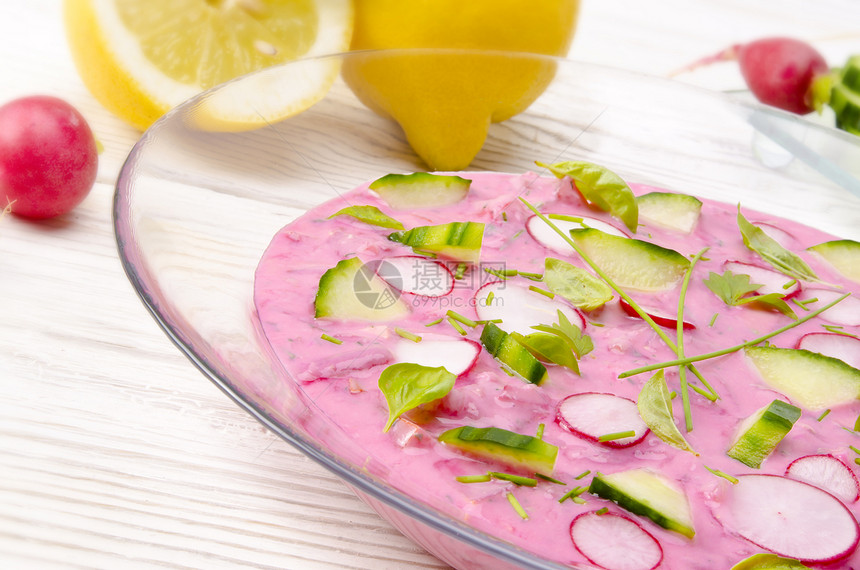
x=140, y=58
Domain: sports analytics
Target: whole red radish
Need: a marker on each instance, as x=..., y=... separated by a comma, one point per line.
x=48, y=156
x=781, y=71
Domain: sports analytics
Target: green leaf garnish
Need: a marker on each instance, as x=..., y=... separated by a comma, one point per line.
x=369, y=215
x=407, y=386
x=575, y=284
x=734, y=289
x=655, y=408
x=770, y=250
x=549, y=347
x=581, y=344
x=730, y=287
x=770, y=561
x=602, y=188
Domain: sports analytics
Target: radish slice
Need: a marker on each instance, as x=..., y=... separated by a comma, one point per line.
x=416, y=275
x=547, y=237
x=591, y=415
x=847, y=312
x=790, y=518
x=827, y=472
x=520, y=308
x=771, y=281
x=776, y=233
x=458, y=356
x=615, y=542
x=845, y=348
x=662, y=319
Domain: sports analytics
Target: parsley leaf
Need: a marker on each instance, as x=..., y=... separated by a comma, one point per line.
x=734, y=290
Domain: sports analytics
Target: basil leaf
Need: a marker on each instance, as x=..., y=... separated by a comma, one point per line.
x=549, y=348
x=570, y=333
x=369, y=215
x=769, y=250
x=406, y=386
x=655, y=408
x=575, y=284
x=602, y=188
x=766, y=560
x=773, y=300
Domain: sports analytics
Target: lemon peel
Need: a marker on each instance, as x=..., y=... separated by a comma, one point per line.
x=140, y=58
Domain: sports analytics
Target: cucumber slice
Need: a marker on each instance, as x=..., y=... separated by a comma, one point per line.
x=508, y=351
x=678, y=212
x=843, y=255
x=759, y=434
x=351, y=290
x=811, y=380
x=420, y=190
x=632, y=263
x=460, y=241
x=643, y=492
x=511, y=448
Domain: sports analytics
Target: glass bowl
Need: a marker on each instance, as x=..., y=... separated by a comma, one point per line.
x=195, y=207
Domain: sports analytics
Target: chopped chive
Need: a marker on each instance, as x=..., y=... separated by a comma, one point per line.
x=673, y=394
x=550, y=479
x=803, y=302
x=504, y=216
x=836, y=329
x=616, y=435
x=583, y=475
x=540, y=429
x=458, y=317
x=713, y=319
x=456, y=326
x=515, y=479
x=564, y=218
x=572, y=494
x=516, y=235
x=602, y=511
x=854, y=449
x=490, y=296
x=407, y=335
x=790, y=284
x=436, y=322
x=461, y=270
x=857, y=424
x=425, y=253
x=823, y=415
x=543, y=292
x=532, y=276
x=596, y=324
x=857, y=460
x=474, y=478
x=483, y=322
x=496, y=273
x=517, y=506
x=722, y=474
x=331, y=339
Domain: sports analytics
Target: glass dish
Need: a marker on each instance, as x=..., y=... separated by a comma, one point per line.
x=195, y=209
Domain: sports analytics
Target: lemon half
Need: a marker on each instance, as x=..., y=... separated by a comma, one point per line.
x=140, y=58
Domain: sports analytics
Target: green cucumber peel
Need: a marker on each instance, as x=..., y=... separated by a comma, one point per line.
x=602, y=188
x=769, y=249
x=735, y=348
x=369, y=215
x=407, y=386
x=575, y=284
x=655, y=408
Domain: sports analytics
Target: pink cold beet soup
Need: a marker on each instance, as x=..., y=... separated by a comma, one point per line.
x=489, y=357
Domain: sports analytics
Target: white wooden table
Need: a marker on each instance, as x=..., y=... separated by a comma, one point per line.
x=115, y=452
